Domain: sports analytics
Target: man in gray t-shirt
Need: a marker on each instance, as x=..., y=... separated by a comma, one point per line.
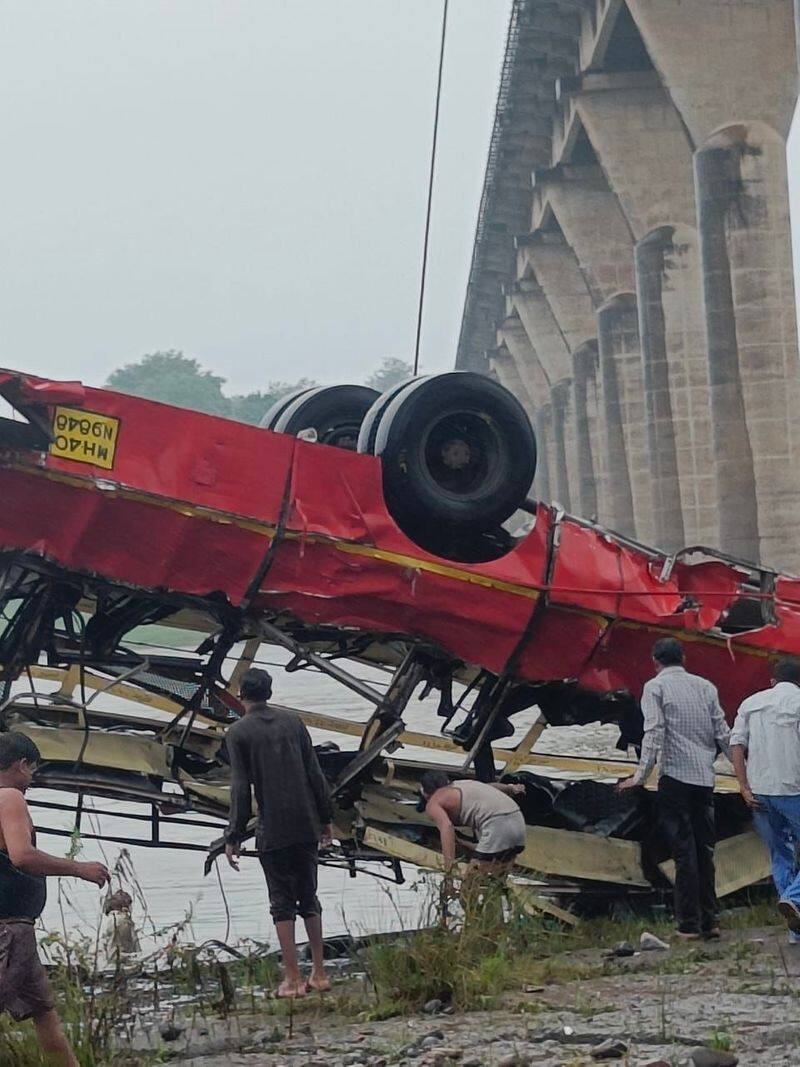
x=487, y=809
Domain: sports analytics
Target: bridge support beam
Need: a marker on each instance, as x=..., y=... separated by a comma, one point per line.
x=631, y=121
x=736, y=102
x=578, y=201
x=621, y=392
x=550, y=260
x=524, y=367
x=504, y=367
x=591, y=483
x=552, y=369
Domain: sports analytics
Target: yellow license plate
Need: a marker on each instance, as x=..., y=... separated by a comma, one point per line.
x=85, y=437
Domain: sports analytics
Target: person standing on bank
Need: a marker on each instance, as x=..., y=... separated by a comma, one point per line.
x=270, y=749
x=684, y=728
x=24, y=989
x=765, y=751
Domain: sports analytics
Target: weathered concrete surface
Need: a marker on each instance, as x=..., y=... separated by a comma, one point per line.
x=661, y=1006
x=748, y=281
x=555, y=267
x=737, y=102
x=723, y=59
x=545, y=453
x=629, y=488
x=643, y=147
x=664, y=179
x=552, y=369
x=505, y=369
x=515, y=337
x=652, y=256
x=543, y=331
x=589, y=483
x=535, y=394
x=564, y=442
x=589, y=216
x=551, y=262
x=578, y=201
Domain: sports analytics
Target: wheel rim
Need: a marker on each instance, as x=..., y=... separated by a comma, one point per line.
x=462, y=453
x=339, y=436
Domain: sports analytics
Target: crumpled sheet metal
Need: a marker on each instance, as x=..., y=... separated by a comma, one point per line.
x=126, y=752
x=97, y=532
x=193, y=503
x=29, y=390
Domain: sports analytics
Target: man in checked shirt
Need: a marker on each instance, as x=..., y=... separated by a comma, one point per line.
x=684, y=728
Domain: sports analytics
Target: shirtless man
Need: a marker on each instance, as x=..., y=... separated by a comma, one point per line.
x=488, y=810
x=24, y=989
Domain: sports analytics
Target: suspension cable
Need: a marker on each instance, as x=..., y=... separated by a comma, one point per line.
x=430, y=188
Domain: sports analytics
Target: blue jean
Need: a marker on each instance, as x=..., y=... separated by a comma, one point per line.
x=778, y=824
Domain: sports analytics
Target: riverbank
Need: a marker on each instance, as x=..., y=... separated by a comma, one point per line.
x=477, y=991
x=738, y=996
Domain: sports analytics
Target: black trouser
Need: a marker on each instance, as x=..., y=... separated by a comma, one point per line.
x=687, y=815
x=291, y=874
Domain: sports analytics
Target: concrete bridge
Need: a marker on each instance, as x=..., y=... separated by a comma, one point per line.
x=632, y=277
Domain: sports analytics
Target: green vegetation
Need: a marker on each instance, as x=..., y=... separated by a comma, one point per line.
x=174, y=378
x=477, y=951
x=490, y=948
x=474, y=961
x=721, y=1041
x=90, y=1013
x=390, y=372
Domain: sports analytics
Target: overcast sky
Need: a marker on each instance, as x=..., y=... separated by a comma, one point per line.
x=243, y=180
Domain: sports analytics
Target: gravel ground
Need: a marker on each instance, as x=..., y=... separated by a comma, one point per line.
x=657, y=1006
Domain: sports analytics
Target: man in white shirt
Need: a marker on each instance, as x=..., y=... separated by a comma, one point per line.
x=765, y=750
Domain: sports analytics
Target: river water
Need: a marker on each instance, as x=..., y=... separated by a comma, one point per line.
x=232, y=906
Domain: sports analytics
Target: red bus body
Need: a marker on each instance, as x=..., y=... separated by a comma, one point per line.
x=168, y=500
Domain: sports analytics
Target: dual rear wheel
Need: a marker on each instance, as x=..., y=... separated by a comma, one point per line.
x=457, y=450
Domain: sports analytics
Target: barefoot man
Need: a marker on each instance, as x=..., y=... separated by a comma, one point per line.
x=270, y=749
x=24, y=989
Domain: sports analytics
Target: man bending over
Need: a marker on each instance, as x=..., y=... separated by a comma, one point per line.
x=24, y=989
x=488, y=810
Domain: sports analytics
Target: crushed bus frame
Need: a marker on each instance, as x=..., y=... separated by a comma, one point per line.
x=253, y=537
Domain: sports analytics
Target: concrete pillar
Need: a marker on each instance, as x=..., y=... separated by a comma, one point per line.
x=563, y=443
x=736, y=100
x=512, y=334
x=620, y=366
x=502, y=364
x=749, y=292
x=552, y=368
x=545, y=453
x=528, y=371
x=558, y=272
x=589, y=216
x=556, y=269
x=631, y=123
x=750, y=73
x=543, y=331
x=584, y=410
x=651, y=272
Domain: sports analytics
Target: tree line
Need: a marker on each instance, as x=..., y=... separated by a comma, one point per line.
x=177, y=379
